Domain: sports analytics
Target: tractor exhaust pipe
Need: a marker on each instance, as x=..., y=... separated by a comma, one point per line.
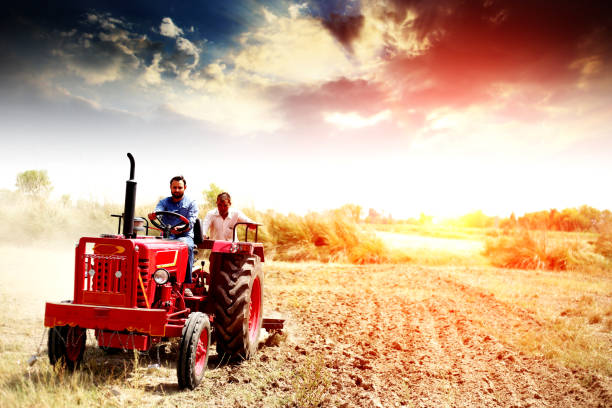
x=130, y=202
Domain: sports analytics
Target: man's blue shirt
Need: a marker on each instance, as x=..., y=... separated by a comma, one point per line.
x=187, y=207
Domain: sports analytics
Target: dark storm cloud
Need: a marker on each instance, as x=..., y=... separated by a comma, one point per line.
x=475, y=44
x=344, y=28
x=105, y=49
x=342, y=18
x=96, y=46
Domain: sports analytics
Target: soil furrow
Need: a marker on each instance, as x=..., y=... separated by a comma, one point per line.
x=435, y=349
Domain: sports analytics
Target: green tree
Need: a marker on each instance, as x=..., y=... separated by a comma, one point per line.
x=34, y=182
x=210, y=196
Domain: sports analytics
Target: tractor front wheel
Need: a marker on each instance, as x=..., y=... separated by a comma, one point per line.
x=193, y=351
x=66, y=345
x=238, y=297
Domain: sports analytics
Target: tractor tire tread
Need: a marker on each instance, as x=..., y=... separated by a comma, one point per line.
x=187, y=328
x=56, y=346
x=196, y=323
x=232, y=296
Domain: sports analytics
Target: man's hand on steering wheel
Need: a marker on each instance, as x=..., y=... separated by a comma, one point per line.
x=157, y=219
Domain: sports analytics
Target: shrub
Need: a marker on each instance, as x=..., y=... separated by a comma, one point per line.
x=531, y=250
x=603, y=245
x=327, y=237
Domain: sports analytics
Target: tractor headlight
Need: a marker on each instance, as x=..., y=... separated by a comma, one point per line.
x=161, y=276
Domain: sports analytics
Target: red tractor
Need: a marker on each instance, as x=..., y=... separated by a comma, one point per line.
x=129, y=289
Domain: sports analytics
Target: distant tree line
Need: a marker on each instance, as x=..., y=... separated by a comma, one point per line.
x=36, y=183
x=583, y=219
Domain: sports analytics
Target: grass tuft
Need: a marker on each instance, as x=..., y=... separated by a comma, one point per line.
x=311, y=383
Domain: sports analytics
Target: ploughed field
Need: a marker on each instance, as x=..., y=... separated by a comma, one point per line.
x=364, y=336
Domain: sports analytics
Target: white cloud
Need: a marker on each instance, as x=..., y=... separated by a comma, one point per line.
x=295, y=10
x=211, y=79
x=353, y=120
x=95, y=76
x=294, y=49
x=187, y=47
x=105, y=20
x=236, y=111
x=167, y=28
x=152, y=74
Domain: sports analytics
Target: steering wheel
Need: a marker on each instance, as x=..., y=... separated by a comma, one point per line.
x=157, y=219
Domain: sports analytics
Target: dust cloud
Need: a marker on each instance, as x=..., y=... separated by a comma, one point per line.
x=34, y=274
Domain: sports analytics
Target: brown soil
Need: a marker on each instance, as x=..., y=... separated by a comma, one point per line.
x=409, y=336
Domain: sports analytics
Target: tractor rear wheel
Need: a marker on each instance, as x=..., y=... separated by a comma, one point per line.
x=66, y=345
x=193, y=351
x=238, y=299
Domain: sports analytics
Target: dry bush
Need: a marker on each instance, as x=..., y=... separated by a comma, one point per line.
x=328, y=237
x=538, y=250
x=603, y=245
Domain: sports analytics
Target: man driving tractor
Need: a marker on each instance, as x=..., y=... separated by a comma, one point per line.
x=185, y=206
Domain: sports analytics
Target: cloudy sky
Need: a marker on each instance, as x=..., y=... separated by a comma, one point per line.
x=441, y=107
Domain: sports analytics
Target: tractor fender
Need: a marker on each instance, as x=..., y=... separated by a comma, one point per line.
x=229, y=247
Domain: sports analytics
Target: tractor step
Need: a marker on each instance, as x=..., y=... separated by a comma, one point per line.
x=272, y=324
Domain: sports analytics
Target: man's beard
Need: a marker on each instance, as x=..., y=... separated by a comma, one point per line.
x=178, y=195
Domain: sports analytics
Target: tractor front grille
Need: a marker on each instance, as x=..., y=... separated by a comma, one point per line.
x=141, y=299
x=105, y=273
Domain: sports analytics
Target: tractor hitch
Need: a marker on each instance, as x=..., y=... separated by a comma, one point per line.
x=271, y=324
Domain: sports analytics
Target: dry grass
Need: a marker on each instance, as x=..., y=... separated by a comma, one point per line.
x=332, y=236
x=574, y=309
x=326, y=237
x=603, y=245
x=542, y=250
x=311, y=383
